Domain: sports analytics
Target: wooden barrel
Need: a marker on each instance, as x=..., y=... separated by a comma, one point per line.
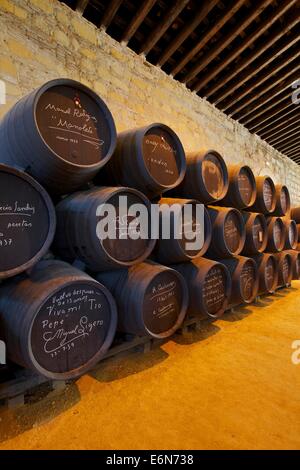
x=265, y=195
x=285, y=268
x=256, y=233
x=61, y=133
x=298, y=231
x=276, y=234
x=206, y=177
x=244, y=279
x=77, y=235
x=295, y=214
x=209, y=287
x=296, y=263
x=267, y=272
x=150, y=159
x=27, y=221
x=290, y=234
x=58, y=321
x=152, y=299
x=228, y=232
x=283, y=201
x=242, y=187
x=175, y=250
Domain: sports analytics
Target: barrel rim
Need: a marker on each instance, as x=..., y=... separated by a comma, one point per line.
x=262, y=180
x=204, y=154
x=281, y=258
x=250, y=173
x=139, y=136
x=285, y=189
x=184, y=306
x=242, y=230
x=227, y=290
x=51, y=215
x=151, y=242
x=75, y=373
x=245, y=261
x=107, y=113
x=262, y=259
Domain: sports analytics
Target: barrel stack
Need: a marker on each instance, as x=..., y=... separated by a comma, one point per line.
x=68, y=288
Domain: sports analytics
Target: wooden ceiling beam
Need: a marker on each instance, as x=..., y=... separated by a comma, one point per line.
x=110, y=13
x=253, y=69
x=81, y=6
x=199, y=16
x=267, y=74
x=294, y=155
x=137, y=20
x=204, y=39
x=266, y=123
x=286, y=135
x=265, y=92
x=268, y=114
x=225, y=40
x=280, y=31
x=284, y=126
x=272, y=103
x=168, y=18
x=287, y=131
x=292, y=145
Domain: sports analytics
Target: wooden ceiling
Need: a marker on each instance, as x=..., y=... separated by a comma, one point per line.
x=242, y=55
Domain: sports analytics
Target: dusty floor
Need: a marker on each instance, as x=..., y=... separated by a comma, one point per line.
x=232, y=385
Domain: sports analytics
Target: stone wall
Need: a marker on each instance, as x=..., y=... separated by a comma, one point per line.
x=44, y=39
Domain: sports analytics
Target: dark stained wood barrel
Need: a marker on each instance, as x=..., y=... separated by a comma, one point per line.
x=77, y=236
x=150, y=159
x=242, y=187
x=298, y=231
x=276, y=234
x=283, y=201
x=290, y=234
x=265, y=195
x=267, y=272
x=244, y=279
x=27, y=221
x=175, y=250
x=296, y=263
x=285, y=268
x=228, y=232
x=152, y=299
x=58, y=321
x=256, y=233
x=61, y=133
x=209, y=287
x=206, y=177
x=295, y=214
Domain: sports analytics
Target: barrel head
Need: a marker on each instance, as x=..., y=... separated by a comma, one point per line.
x=258, y=231
x=26, y=221
x=246, y=186
x=74, y=125
x=163, y=303
x=268, y=194
x=215, y=291
x=213, y=176
x=125, y=249
x=160, y=156
x=70, y=329
x=232, y=232
x=248, y=281
x=270, y=274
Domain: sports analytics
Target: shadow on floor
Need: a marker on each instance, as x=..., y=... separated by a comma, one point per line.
x=40, y=407
x=206, y=330
x=128, y=363
x=237, y=314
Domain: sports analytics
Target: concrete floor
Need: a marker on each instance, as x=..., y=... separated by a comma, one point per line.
x=231, y=386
